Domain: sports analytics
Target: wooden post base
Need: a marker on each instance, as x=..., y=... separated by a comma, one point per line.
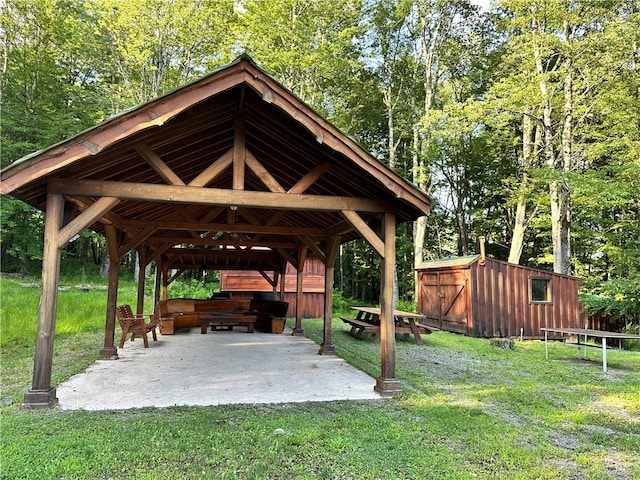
x=327, y=349
x=297, y=332
x=387, y=387
x=110, y=353
x=40, y=398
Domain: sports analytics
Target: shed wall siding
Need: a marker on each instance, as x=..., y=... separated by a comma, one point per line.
x=244, y=283
x=497, y=300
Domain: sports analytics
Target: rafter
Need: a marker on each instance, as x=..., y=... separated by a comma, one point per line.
x=220, y=242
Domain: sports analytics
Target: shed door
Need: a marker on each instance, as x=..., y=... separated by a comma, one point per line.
x=444, y=300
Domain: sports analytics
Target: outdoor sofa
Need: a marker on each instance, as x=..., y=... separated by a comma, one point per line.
x=175, y=313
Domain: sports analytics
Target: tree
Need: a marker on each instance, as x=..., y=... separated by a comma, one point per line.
x=558, y=37
x=152, y=47
x=308, y=46
x=608, y=180
x=47, y=77
x=434, y=23
x=47, y=82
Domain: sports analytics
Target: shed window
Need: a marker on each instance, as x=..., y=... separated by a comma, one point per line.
x=540, y=289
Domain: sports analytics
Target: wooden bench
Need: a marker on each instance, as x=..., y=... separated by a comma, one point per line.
x=427, y=329
x=358, y=327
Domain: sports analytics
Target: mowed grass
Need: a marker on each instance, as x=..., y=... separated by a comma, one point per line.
x=468, y=411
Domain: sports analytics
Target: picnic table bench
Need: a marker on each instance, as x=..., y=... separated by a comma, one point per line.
x=358, y=327
x=367, y=322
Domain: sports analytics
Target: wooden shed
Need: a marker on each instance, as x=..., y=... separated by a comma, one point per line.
x=244, y=283
x=482, y=297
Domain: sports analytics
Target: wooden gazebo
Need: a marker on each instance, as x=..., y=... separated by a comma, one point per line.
x=223, y=167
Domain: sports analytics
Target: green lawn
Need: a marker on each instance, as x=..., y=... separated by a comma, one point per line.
x=468, y=411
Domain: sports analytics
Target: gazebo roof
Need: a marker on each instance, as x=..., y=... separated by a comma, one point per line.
x=233, y=159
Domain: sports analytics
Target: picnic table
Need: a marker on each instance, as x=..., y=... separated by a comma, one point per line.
x=585, y=332
x=367, y=321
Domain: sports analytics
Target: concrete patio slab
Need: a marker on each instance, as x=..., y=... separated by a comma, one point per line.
x=222, y=367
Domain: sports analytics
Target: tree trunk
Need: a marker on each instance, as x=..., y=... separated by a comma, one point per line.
x=558, y=188
x=420, y=225
x=519, y=230
x=104, y=268
x=562, y=259
x=429, y=41
x=463, y=236
x=521, y=222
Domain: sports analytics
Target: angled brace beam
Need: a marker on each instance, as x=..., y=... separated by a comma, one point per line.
x=153, y=159
x=85, y=219
x=263, y=174
x=365, y=230
x=272, y=281
x=314, y=248
x=213, y=170
x=136, y=241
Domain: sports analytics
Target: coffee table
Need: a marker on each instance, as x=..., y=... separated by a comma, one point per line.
x=226, y=319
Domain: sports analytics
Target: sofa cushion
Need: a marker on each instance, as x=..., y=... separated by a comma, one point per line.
x=179, y=305
x=231, y=305
x=275, y=308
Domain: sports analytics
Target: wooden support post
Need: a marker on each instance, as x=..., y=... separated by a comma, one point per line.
x=283, y=285
x=302, y=257
x=332, y=252
x=42, y=394
x=109, y=351
x=157, y=285
x=239, y=152
x=142, y=267
x=387, y=385
x=165, y=282
x=276, y=277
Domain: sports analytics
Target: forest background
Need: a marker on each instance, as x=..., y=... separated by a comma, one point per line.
x=520, y=121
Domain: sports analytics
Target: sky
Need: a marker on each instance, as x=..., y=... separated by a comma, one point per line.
x=484, y=4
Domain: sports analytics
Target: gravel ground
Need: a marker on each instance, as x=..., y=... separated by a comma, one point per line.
x=458, y=377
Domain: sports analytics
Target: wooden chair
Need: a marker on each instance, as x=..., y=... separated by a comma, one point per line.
x=135, y=324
